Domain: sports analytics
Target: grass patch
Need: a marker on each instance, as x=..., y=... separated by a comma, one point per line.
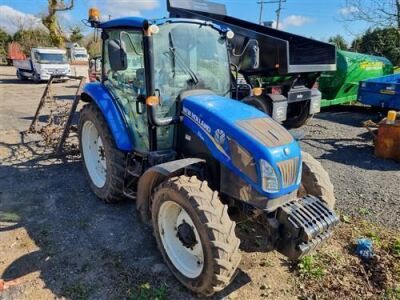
x=146, y=291
x=310, y=266
x=9, y=217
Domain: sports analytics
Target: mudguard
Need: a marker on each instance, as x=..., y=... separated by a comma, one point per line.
x=153, y=177
x=98, y=93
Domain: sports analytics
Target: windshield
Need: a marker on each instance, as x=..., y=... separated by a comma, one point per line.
x=190, y=56
x=52, y=58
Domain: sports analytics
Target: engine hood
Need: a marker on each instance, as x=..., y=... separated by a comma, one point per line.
x=226, y=125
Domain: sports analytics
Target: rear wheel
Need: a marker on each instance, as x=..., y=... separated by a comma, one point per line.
x=315, y=181
x=260, y=103
x=20, y=76
x=104, y=163
x=195, y=234
x=298, y=114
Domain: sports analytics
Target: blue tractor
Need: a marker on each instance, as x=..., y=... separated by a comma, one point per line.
x=160, y=127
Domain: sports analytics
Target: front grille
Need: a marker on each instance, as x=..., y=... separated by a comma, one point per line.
x=267, y=131
x=289, y=170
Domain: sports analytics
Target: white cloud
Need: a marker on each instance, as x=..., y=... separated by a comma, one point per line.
x=12, y=20
x=121, y=8
x=344, y=11
x=292, y=21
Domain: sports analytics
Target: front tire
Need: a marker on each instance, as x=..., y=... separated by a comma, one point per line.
x=195, y=235
x=315, y=181
x=36, y=78
x=104, y=164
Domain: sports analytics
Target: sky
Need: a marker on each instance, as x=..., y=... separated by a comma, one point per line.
x=318, y=19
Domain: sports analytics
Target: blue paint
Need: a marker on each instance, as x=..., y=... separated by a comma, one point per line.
x=137, y=22
x=222, y=113
x=123, y=22
x=105, y=102
x=381, y=92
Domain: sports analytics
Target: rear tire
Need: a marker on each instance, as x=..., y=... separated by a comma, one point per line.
x=20, y=76
x=104, y=164
x=260, y=103
x=315, y=181
x=300, y=115
x=205, y=261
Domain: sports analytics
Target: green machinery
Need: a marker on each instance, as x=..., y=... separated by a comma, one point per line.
x=340, y=86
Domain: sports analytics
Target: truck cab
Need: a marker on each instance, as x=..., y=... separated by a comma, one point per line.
x=43, y=63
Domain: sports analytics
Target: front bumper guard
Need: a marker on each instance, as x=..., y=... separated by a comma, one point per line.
x=304, y=224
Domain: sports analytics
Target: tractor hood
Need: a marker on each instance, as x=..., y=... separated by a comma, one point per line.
x=239, y=136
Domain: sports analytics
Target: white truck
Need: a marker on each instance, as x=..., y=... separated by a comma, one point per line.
x=43, y=63
x=77, y=53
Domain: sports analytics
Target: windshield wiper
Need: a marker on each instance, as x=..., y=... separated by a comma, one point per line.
x=177, y=58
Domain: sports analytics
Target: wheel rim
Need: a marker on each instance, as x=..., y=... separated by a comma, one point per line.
x=93, y=154
x=180, y=239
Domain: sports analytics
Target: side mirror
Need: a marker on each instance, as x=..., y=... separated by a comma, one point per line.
x=255, y=56
x=117, y=55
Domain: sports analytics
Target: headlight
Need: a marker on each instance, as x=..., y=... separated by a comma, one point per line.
x=269, y=178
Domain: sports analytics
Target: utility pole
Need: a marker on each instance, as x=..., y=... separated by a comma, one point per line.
x=278, y=11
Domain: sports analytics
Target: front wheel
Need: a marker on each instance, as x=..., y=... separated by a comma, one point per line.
x=195, y=235
x=104, y=163
x=315, y=181
x=36, y=78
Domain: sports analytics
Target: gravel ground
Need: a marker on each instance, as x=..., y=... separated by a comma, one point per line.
x=365, y=185
x=57, y=239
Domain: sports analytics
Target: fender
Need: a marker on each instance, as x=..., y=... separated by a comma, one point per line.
x=153, y=177
x=98, y=93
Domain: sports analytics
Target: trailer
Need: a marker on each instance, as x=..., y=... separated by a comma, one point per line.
x=341, y=86
x=42, y=64
x=381, y=92
x=259, y=52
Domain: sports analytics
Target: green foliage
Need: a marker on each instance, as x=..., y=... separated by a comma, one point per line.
x=380, y=41
x=5, y=38
x=92, y=45
x=146, y=292
x=32, y=38
x=76, y=35
x=339, y=41
x=396, y=248
x=309, y=267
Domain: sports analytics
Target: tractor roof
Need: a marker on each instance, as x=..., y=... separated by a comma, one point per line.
x=137, y=22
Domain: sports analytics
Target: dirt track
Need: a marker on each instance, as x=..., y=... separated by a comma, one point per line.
x=58, y=240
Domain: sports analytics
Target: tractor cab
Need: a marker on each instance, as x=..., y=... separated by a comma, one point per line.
x=174, y=61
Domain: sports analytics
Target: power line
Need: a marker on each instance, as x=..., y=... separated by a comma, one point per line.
x=278, y=11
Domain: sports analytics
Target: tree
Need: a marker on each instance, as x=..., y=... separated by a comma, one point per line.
x=31, y=38
x=51, y=22
x=5, y=38
x=382, y=42
x=339, y=41
x=76, y=35
x=379, y=13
